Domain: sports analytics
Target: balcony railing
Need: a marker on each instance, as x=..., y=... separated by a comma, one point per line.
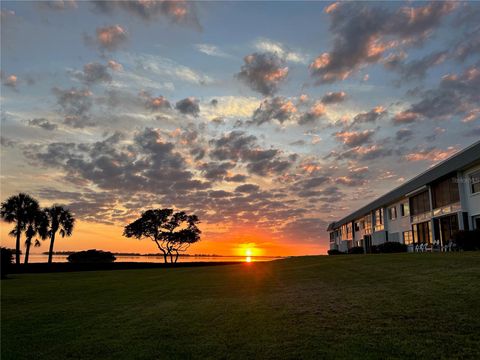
x=421, y=217
x=447, y=209
x=444, y=210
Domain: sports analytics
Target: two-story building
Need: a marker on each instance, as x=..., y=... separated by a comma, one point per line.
x=430, y=207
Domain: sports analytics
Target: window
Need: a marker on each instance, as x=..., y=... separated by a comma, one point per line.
x=421, y=233
x=420, y=203
x=346, y=231
x=407, y=237
x=445, y=192
x=379, y=220
x=332, y=236
x=405, y=209
x=476, y=222
x=368, y=224
x=357, y=227
x=475, y=182
x=392, y=213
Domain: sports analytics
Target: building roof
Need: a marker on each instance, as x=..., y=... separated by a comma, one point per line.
x=461, y=160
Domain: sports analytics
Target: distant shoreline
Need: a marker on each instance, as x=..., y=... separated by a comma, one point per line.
x=66, y=253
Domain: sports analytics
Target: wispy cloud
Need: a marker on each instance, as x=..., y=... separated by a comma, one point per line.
x=266, y=45
x=166, y=68
x=212, y=50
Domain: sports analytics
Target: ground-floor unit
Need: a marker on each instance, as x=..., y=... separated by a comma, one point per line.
x=427, y=209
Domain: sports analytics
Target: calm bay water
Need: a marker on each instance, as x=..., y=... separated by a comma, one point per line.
x=40, y=258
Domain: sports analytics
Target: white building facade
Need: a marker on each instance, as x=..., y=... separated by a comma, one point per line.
x=429, y=208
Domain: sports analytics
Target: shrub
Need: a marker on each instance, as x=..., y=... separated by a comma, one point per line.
x=467, y=240
x=6, y=260
x=392, y=247
x=356, y=250
x=91, y=256
x=335, y=252
x=374, y=249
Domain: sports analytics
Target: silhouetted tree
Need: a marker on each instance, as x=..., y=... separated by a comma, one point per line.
x=172, y=232
x=37, y=224
x=18, y=209
x=5, y=261
x=59, y=219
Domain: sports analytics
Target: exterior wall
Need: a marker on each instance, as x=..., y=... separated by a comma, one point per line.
x=471, y=202
x=400, y=224
x=343, y=247
x=358, y=234
x=379, y=237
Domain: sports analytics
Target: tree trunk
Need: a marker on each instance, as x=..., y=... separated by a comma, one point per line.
x=161, y=249
x=27, y=250
x=171, y=257
x=17, y=245
x=176, y=256
x=50, y=251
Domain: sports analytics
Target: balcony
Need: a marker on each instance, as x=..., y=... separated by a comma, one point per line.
x=448, y=209
x=421, y=217
x=444, y=210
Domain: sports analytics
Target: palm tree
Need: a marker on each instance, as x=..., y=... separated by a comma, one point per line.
x=61, y=219
x=18, y=209
x=37, y=224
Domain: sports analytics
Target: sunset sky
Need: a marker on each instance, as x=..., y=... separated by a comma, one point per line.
x=268, y=120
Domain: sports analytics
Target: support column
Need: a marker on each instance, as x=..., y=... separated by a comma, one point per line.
x=432, y=227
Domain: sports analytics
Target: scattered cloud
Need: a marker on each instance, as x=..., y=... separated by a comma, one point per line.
x=10, y=81
x=188, y=106
x=314, y=113
x=155, y=103
x=431, y=154
x=94, y=73
x=363, y=34
x=403, y=134
x=180, y=11
x=58, y=4
x=415, y=69
x=457, y=94
x=75, y=105
x=237, y=146
x=115, y=66
x=263, y=72
x=108, y=38
x=369, y=117
x=43, y=123
x=277, y=108
x=334, y=97
x=355, y=138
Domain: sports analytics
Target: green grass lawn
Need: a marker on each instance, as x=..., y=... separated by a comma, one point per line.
x=373, y=306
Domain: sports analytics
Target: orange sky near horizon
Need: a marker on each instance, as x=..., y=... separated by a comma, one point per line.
x=88, y=235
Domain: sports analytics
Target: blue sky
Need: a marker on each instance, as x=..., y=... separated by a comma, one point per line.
x=317, y=106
